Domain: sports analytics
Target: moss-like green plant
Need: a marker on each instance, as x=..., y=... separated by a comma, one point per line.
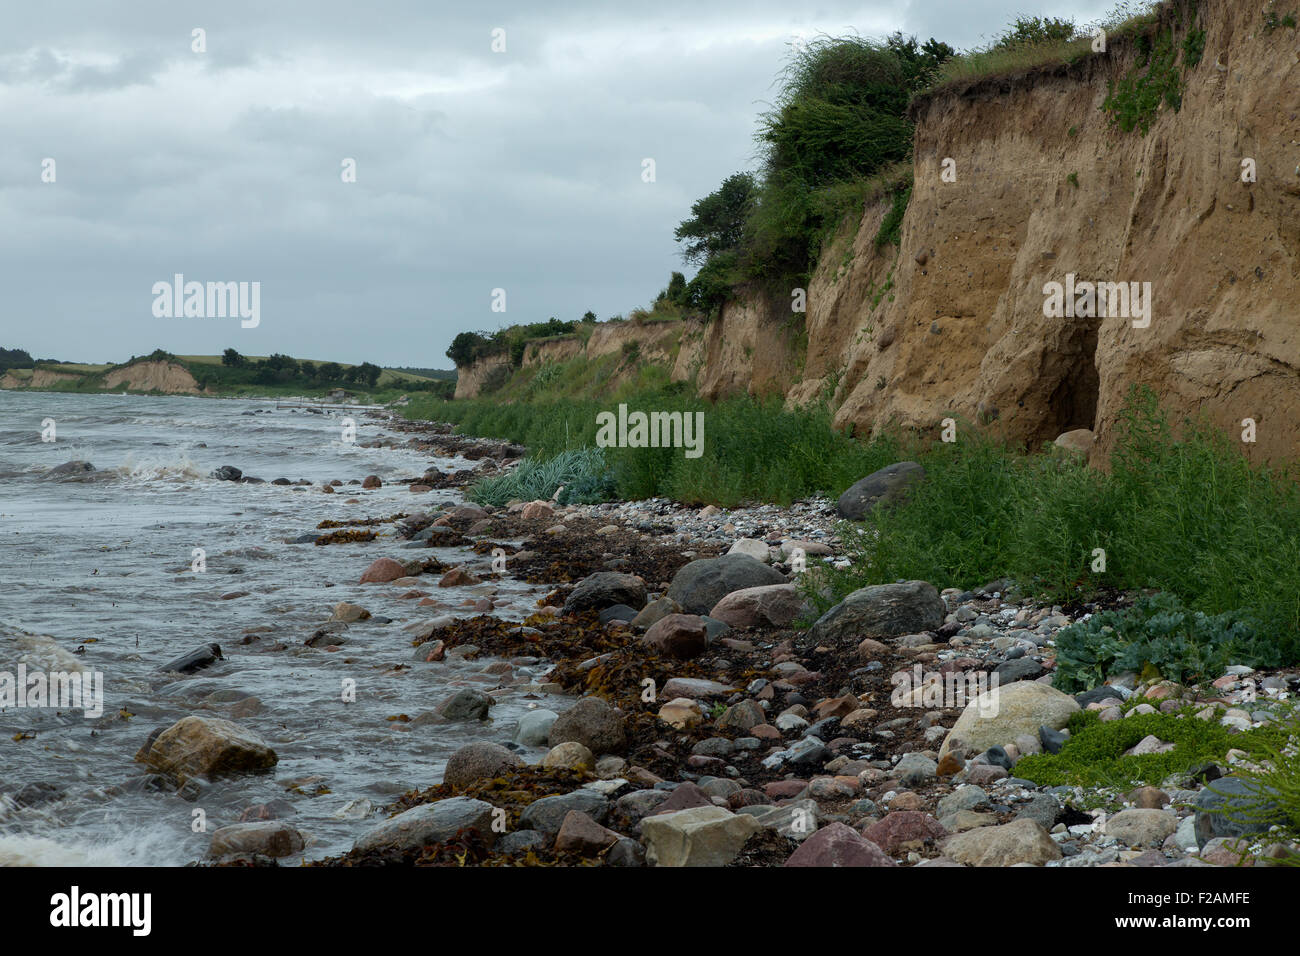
x=1154, y=79
x=1094, y=754
x=891, y=226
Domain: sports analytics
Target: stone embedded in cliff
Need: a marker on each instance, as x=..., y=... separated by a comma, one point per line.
x=206, y=746
x=884, y=610
x=1079, y=441
x=888, y=486
x=604, y=589
x=702, y=583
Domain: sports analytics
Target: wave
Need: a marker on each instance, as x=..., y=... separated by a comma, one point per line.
x=147, y=468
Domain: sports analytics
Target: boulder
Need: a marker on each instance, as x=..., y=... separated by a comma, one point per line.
x=465, y=705
x=264, y=838
x=195, y=660
x=883, y=610
x=547, y=814
x=758, y=550
x=581, y=834
x=699, y=836
x=227, y=473
x=207, y=747
x=534, y=728
x=900, y=831
x=1020, y=841
x=569, y=755
x=593, y=723
x=605, y=589
x=1141, y=827
x=655, y=610
x=772, y=605
x=1000, y=715
x=886, y=487
x=1235, y=807
x=838, y=845
x=430, y=823
x=682, y=636
x=383, y=570
x=701, y=584
x=478, y=761
x=70, y=469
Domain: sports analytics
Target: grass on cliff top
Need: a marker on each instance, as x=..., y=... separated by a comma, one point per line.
x=1002, y=59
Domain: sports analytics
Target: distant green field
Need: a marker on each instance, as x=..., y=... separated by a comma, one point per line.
x=388, y=377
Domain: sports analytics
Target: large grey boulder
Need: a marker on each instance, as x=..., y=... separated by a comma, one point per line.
x=604, y=589
x=884, y=610
x=887, y=486
x=1235, y=807
x=702, y=583
x=430, y=823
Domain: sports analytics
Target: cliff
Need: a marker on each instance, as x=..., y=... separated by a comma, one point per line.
x=952, y=320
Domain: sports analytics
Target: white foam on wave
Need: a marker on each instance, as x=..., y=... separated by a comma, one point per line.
x=148, y=468
x=153, y=846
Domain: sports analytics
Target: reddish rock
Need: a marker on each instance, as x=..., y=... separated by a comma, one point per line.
x=983, y=774
x=902, y=830
x=784, y=789
x=581, y=834
x=372, y=481
x=765, y=732
x=678, y=635
x=835, y=707
x=420, y=489
x=907, y=800
x=684, y=797
x=432, y=651
x=383, y=570
x=769, y=605
x=838, y=845
x=870, y=650
x=950, y=763
x=537, y=509
x=457, y=577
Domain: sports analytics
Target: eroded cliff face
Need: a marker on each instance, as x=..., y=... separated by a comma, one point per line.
x=966, y=330
x=951, y=321
x=153, y=377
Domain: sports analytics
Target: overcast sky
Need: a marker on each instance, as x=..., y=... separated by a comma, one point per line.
x=475, y=169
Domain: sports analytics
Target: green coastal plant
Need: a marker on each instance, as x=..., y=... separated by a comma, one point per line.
x=1094, y=754
x=1158, y=631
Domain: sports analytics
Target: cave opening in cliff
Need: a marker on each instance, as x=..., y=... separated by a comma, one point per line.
x=1073, y=403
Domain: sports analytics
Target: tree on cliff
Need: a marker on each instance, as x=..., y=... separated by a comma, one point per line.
x=232, y=359
x=717, y=221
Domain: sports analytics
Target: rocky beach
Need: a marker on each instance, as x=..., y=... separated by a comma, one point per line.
x=647, y=684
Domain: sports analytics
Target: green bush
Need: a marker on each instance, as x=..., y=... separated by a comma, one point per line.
x=1188, y=515
x=535, y=478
